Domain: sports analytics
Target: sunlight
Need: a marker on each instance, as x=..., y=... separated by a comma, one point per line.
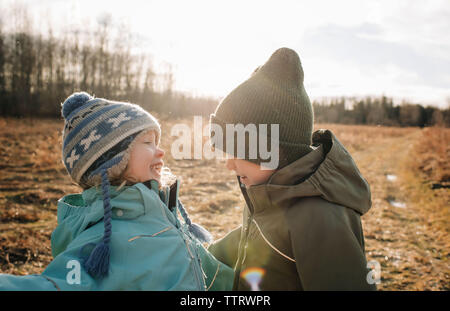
x=373, y=48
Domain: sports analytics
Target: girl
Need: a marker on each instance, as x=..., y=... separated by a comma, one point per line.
x=123, y=231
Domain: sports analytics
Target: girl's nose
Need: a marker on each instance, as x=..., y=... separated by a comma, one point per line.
x=160, y=153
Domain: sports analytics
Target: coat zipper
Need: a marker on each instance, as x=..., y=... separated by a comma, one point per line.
x=196, y=262
x=182, y=234
x=242, y=246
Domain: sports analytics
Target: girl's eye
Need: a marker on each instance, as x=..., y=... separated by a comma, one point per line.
x=148, y=142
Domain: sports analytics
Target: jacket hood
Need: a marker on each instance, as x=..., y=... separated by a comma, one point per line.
x=327, y=171
x=77, y=212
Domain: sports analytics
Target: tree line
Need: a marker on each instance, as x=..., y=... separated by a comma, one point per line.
x=379, y=111
x=38, y=71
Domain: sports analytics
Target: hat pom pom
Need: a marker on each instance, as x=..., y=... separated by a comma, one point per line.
x=73, y=102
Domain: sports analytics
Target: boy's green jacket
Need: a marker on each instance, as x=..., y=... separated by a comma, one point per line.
x=150, y=248
x=302, y=229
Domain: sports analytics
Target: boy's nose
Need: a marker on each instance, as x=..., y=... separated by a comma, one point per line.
x=230, y=164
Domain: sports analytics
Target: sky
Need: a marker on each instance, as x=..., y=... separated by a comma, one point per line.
x=396, y=48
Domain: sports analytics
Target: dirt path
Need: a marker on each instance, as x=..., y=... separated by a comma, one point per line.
x=412, y=250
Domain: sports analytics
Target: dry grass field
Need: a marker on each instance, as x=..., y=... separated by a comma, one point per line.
x=406, y=231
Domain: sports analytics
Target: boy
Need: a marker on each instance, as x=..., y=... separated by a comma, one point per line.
x=301, y=226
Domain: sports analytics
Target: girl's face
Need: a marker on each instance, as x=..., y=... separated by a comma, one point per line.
x=250, y=173
x=145, y=161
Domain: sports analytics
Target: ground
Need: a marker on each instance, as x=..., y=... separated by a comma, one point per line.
x=406, y=230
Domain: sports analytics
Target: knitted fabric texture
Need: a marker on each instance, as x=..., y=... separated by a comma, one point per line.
x=274, y=94
x=97, y=133
x=97, y=264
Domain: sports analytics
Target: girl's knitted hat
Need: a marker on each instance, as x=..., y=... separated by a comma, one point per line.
x=96, y=142
x=97, y=134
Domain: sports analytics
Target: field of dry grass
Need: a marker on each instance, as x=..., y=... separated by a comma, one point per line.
x=406, y=231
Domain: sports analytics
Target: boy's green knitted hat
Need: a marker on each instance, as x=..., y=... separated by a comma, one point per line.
x=274, y=94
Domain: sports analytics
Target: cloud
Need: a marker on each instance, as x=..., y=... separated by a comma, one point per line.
x=363, y=46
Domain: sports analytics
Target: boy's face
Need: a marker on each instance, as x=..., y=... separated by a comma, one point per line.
x=250, y=173
x=145, y=161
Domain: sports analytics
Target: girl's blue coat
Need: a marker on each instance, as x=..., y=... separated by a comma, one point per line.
x=150, y=248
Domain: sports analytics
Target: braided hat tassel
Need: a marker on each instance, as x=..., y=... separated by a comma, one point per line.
x=198, y=231
x=97, y=264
